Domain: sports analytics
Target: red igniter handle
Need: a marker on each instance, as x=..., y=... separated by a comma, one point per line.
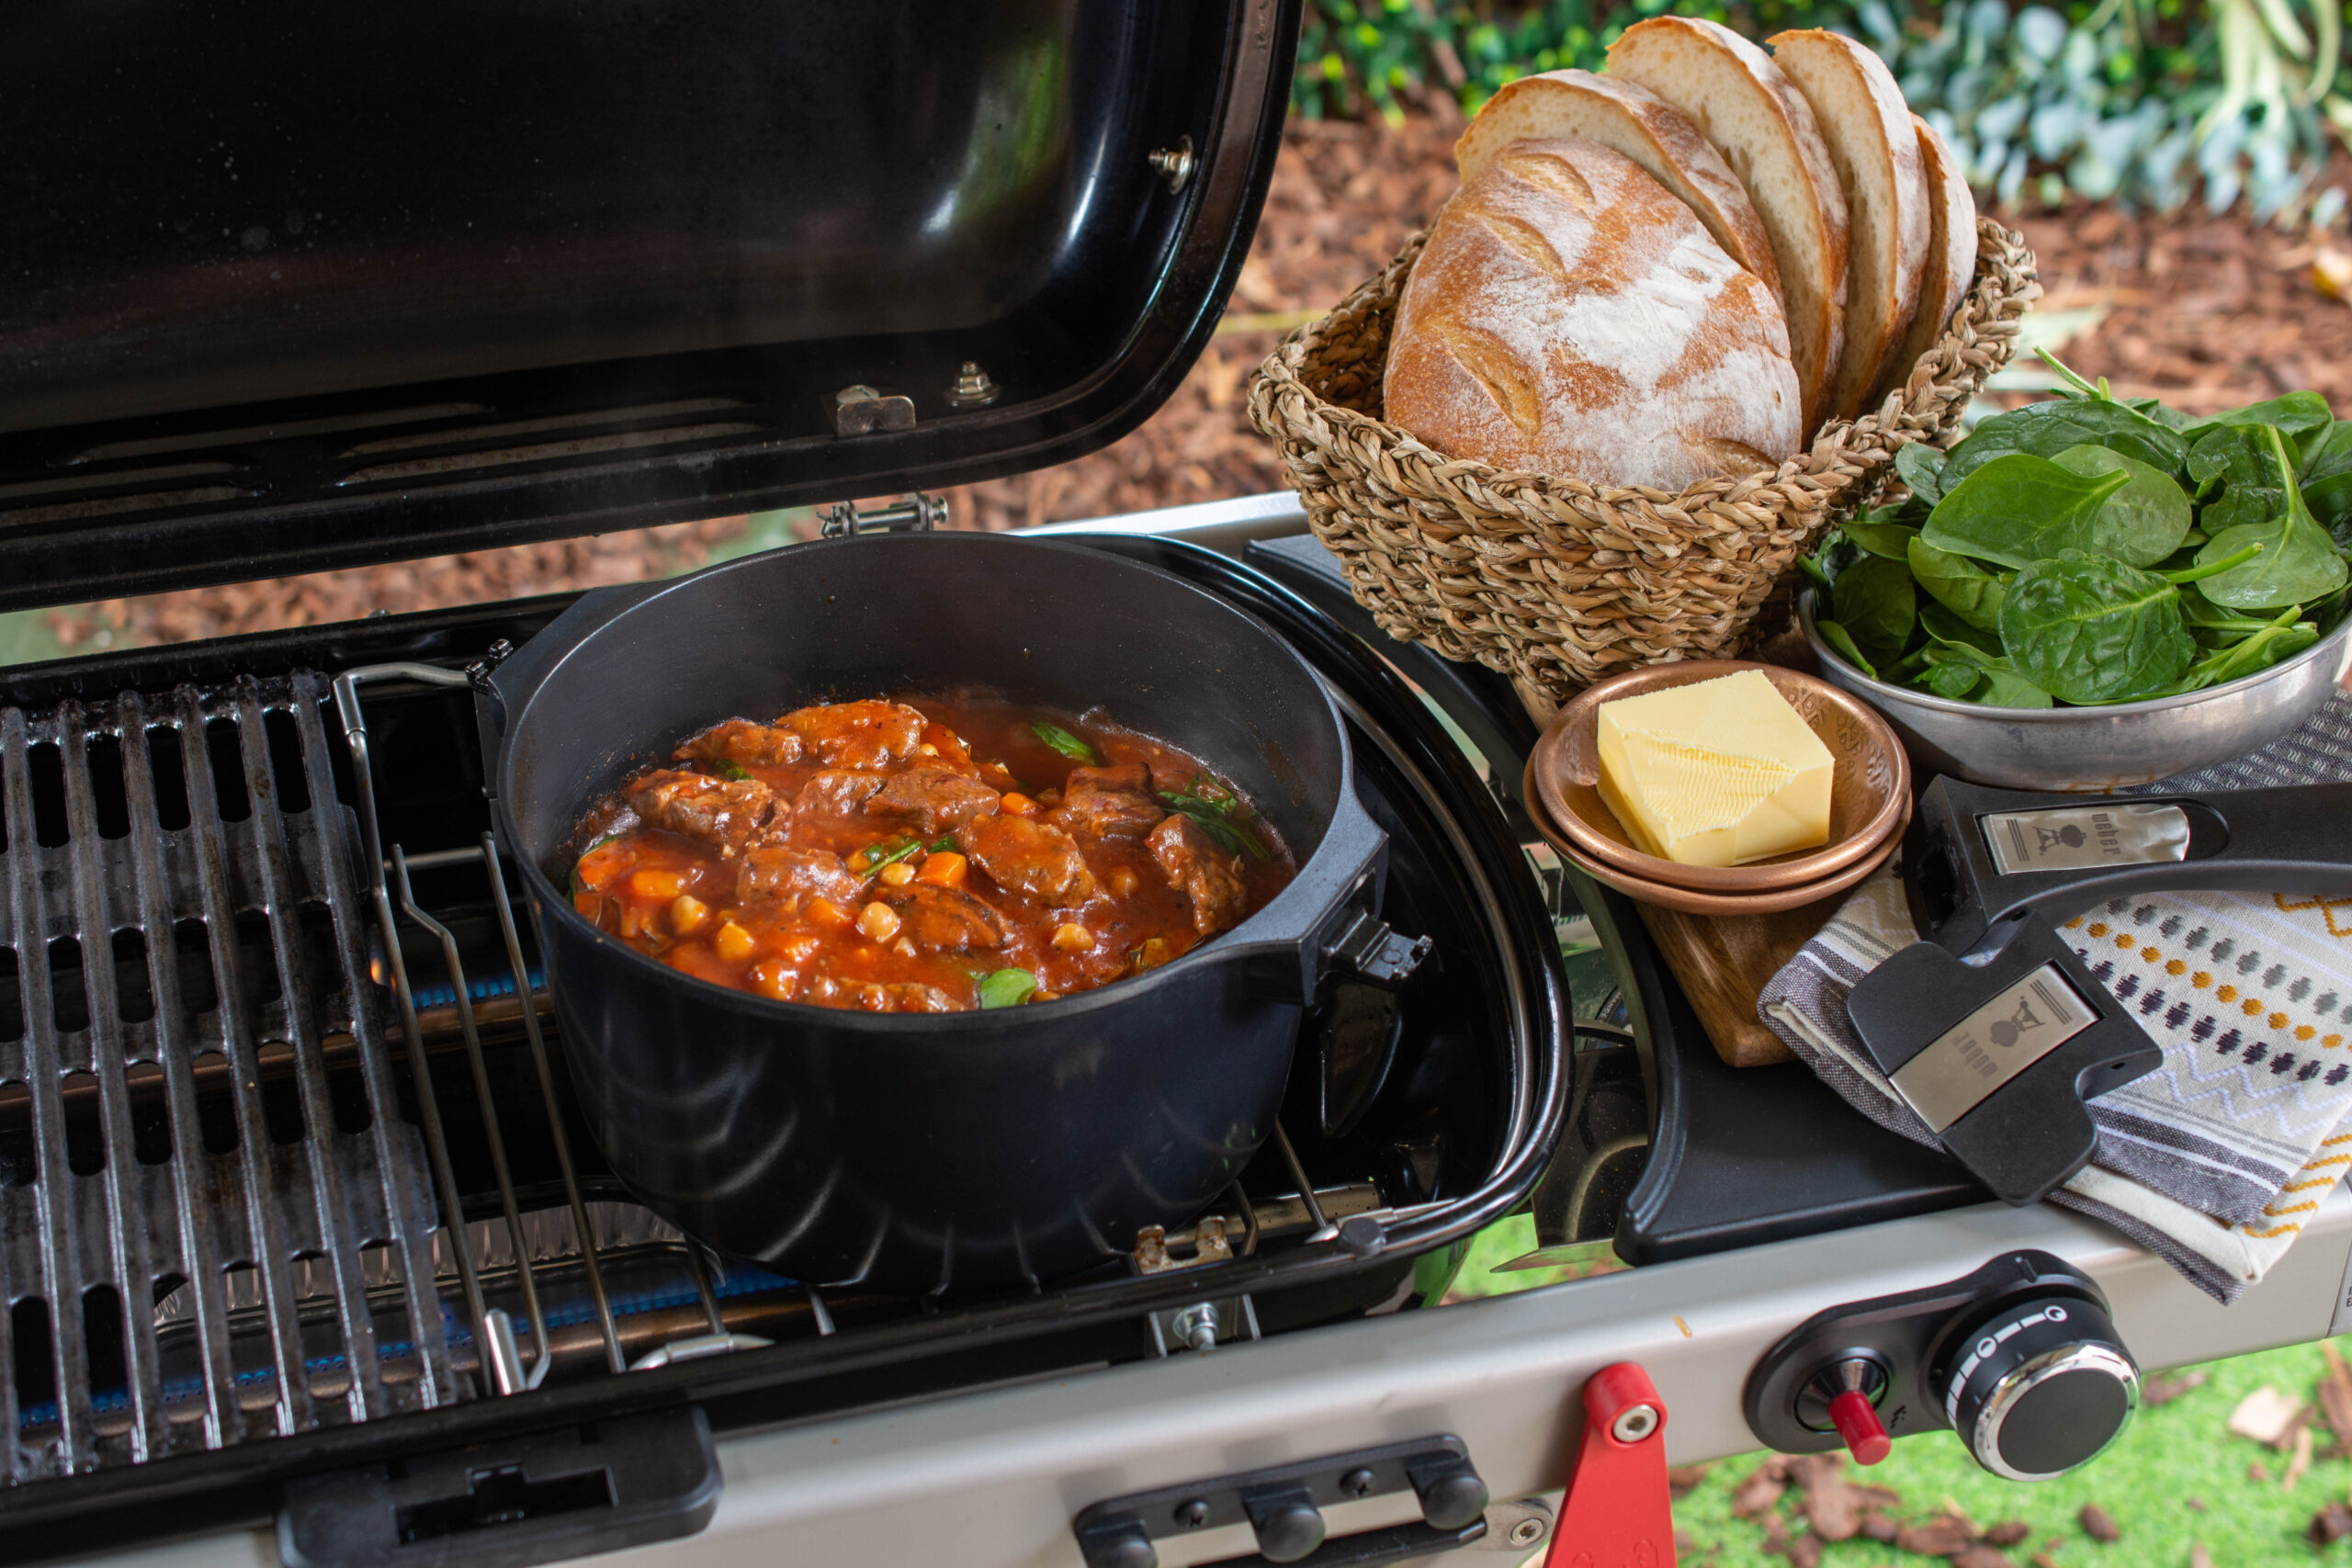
x=1857, y=1421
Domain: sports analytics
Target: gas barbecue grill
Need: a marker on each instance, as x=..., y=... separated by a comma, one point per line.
x=307, y=1254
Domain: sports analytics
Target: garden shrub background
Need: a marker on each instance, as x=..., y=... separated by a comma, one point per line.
x=2154, y=103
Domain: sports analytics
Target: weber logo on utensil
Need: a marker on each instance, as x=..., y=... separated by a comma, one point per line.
x=1992, y=1045
x=2080, y=838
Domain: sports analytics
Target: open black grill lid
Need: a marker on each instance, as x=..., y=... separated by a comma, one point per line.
x=292, y=287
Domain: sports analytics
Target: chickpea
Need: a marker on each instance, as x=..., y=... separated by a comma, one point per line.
x=1072, y=937
x=1122, y=880
x=898, y=873
x=879, y=922
x=687, y=913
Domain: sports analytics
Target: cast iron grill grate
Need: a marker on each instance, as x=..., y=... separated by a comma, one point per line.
x=213, y=1222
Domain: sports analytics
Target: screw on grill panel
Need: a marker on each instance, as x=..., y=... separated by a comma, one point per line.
x=123, y=970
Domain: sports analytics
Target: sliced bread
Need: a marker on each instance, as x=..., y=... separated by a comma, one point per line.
x=1754, y=116
x=1569, y=316
x=1635, y=121
x=1868, y=126
x=1952, y=258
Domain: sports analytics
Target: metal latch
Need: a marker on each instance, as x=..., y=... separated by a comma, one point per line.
x=1381, y=956
x=917, y=514
x=862, y=409
x=1282, y=1504
x=510, y=1502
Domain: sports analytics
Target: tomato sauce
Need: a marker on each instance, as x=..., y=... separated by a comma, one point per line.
x=922, y=854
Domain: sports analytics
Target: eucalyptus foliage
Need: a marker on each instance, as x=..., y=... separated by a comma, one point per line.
x=2151, y=102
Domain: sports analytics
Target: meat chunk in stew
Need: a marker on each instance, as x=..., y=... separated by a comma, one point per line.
x=783, y=872
x=836, y=793
x=857, y=735
x=1197, y=869
x=740, y=741
x=900, y=995
x=935, y=798
x=945, y=919
x=1109, y=803
x=727, y=813
x=1037, y=858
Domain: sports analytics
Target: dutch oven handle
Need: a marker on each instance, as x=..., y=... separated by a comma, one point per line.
x=504, y=684
x=1325, y=922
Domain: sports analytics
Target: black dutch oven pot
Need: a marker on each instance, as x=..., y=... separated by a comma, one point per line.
x=927, y=1152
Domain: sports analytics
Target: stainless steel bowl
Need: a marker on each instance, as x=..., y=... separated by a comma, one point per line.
x=2095, y=750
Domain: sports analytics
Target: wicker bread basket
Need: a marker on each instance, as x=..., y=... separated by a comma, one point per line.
x=1557, y=582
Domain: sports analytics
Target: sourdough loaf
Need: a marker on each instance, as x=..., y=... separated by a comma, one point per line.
x=1952, y=257
x=1635, y=121
x=1876, y=152
x=1754, y=114
x=1569, y=316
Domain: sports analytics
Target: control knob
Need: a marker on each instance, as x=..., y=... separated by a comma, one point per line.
x=2039, y=1387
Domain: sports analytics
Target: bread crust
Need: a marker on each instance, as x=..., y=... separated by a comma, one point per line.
x=1570, y=316
x=1870, y=139
x=1629, y=118
x=1952, y=258
x=1809, y=235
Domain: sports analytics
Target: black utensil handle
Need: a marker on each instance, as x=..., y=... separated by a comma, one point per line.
x=2296, y=838
x=511, y=1502
x=1298, y=938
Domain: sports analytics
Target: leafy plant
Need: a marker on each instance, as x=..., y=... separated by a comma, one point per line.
x=2017, y=510
x=2093, y=630
x=1007, y=988
x=2260, y=505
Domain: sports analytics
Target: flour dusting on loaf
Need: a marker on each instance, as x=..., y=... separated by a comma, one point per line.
x=1571, y=317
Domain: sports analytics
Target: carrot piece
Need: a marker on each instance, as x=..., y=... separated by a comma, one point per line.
x=943, y=868
x=1016, y=804
x=825, y=912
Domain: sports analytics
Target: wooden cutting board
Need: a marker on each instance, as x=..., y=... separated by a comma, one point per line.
x=1723, y=961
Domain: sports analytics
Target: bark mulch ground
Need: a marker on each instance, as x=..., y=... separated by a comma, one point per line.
x=2205, y=311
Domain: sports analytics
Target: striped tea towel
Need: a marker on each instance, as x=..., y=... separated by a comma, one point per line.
x=2212, y=1160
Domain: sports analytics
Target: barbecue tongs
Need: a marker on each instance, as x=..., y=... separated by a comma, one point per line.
x=1991, y=1029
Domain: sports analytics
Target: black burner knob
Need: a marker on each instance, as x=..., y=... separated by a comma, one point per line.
x=1287, y=1523
x=2040, y=1387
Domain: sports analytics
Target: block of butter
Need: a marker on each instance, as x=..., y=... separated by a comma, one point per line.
x=1717, y=773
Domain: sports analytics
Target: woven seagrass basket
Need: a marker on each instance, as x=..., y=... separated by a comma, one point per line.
x=1557, y=582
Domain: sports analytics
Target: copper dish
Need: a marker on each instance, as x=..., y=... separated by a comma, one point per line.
x=1692, y=900
x=1870, y=794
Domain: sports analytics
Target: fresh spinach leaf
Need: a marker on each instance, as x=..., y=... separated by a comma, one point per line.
x=1007, y=988
x=2330, y=501
x=2281, y=639
x=1944, y=627
x=1921, y=467
x=2327, y=454
x=1957, y=583
x=2260, y=504
x=1068, y=745
x=1842, y=645
x=2006, y=689
x=2144, y=522
x=1955, y=680
x=1877, y=603
x=2202, y=613
x=2087, y=629
x=2044, y=430
x=2171, y=418
x=2018, y=509
x=2292, y=414
x=1889, y=540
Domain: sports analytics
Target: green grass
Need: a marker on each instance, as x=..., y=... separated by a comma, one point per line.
x=2175, y=1458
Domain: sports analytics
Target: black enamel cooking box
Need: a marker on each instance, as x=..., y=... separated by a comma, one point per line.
x=927, y=1152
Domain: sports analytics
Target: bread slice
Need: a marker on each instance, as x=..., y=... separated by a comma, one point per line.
x=1952, y=258
x=1868, y=126
x=1645, y=128
x=1569, y=316
x=1756, y=117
